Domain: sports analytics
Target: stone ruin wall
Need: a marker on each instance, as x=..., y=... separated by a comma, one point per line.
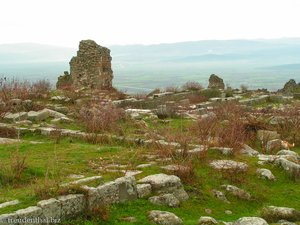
x=90, y=68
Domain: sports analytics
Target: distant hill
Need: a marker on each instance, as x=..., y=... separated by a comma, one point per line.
x=256, y=63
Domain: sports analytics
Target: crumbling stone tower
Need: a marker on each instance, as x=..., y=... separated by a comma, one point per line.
x=91, y=67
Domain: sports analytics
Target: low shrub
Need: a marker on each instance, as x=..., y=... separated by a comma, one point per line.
x=192, y=86
x=100, y=118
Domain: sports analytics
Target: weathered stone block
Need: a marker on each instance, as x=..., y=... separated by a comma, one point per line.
x=72, y=205
x=51, y=208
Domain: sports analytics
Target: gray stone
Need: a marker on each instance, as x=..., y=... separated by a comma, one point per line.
x=32, y=214
x=164, y=218
x=13, y=117
x=290, y=167
x=127, y=188
x=207, y=220
x=220, y=195
x=105, y=194
x=51, y=208
x=273, y=145
x=5, y=204
x=223, y=150
x=250, y=221
x=82, y=181
x=265, y=174
x=266, y=135
x=228, y=212
x=9, y=219
x=274, y=213
x=238, y=192
x=143, y=190
x=8, y=141
x=229, y=165
x=288, y=152
x=38, y=116
x=165, y=199
x=162, y=183
x=91, y=67
x=247, y=150
x=72, y=205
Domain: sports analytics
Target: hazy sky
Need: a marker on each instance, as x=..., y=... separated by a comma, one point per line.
x=65, y=22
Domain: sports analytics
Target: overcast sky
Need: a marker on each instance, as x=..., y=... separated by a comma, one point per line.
x=66, y=22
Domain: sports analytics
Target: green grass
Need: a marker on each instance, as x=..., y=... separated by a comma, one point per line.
x=72, y=156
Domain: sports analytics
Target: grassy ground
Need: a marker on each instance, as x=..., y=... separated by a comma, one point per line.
x=72, y=156
x=282, y=192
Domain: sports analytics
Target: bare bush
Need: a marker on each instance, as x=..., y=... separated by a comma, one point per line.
x=192, y=86
x=174, y=89
x=41, y=89
x=12, y=173
x=289, y=123
x=100, y=118
x=11, y=89
x=196, y=98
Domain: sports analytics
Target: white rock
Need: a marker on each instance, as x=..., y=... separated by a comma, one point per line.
x=32, y=214
x=250, y=221
x=164, y=218
x=163, y=183
x=274, y=213
x=247, y=150
x=229, y=165
x=5, y=204
x=165, y=199
x=265, y=174
x=143, y=190
x=207, y=220
x=13, y=117
x=72, y=205
x=51, y=208
x=238, y=192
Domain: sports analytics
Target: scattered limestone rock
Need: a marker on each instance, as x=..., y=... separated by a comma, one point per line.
x=273, y=145
x=129, y=219
x=250, y=221
x=220, y=195
x=143, y=190
x=38, y=116
x=247, y=150
x=274, y=213
x=164, y=218
x=284, y=222
x=10, y=203
x=266, y=135
x=228, y=165
x=165, y=199
x=290, y=167
x=83, y=180
x=228, y=212
x=8, y=141
x=163, y=183
x=207, y=220
x=223, y=150
x=288, y=152
x=13, y=117
x=238, y=192
x=265, y=174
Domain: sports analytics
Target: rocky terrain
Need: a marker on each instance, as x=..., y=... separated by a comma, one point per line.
x=87, y=153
